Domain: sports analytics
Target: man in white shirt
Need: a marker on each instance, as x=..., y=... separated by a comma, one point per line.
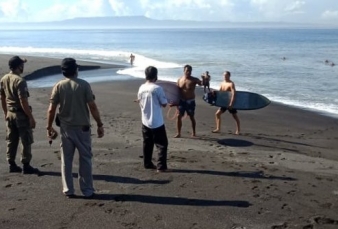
x=151, y=99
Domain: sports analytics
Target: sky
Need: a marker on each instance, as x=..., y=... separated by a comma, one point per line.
x=297, y=11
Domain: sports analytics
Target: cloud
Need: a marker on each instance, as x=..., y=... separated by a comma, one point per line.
x=120, y=8
x=208, y=10
x=278, y=9
x=295, y=7
x=330, y=15
x=12, y=9
x=81, y=8
x=181, y=9
x=188, y=9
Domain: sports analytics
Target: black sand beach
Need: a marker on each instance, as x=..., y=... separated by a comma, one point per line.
x=281, y=172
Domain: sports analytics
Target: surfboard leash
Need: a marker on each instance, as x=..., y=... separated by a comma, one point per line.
x=175, y=115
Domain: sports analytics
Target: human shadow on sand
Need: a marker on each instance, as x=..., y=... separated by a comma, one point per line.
x=164, y=200
x=234, y=142
x=279, y=140
x=227, y=141
x=111, y=178
x=244, y=174
x=243, y=143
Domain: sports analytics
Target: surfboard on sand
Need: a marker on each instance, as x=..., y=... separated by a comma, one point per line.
x=171, y=91
x=244, y=100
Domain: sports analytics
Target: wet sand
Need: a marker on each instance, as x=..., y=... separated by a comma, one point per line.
x=281, y=172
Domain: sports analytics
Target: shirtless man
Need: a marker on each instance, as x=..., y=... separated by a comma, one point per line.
x=187, y=85
x=227, y=85
x=206, y=81
x=132, y=58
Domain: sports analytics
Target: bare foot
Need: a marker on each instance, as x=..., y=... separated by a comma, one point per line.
x=193, y=136
x=216, y=131
x=237, y=132
x=163, y=170
x=177, y=136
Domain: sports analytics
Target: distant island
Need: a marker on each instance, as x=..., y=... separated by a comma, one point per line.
x=133, y=22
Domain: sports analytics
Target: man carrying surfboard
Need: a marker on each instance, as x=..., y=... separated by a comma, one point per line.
x=187, y=85
x=227, y=85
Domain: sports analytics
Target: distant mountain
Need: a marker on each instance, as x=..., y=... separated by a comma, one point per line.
x=140, y=22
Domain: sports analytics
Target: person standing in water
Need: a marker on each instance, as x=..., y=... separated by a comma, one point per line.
x=132, y=58
x=206, y=81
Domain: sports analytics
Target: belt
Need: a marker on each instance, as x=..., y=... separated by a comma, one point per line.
x=188, y=100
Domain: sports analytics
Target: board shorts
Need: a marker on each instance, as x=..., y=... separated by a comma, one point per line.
x=231, y=111
x=187, y=106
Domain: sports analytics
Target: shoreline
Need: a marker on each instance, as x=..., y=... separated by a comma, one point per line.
x=38, y=67
x=280, y=172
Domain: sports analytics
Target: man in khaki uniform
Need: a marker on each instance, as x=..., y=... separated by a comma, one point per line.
x=75, y=100
x=18, y=115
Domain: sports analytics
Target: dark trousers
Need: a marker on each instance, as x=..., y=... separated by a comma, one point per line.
x=157, y=137
x=18, y=129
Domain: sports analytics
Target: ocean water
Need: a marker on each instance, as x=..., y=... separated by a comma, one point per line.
x=253, y=56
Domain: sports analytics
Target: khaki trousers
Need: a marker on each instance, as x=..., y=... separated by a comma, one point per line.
x=18, y=129
x=76, y=138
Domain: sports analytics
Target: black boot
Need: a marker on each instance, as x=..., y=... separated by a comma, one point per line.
x=13, y=168
x=28, y=169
